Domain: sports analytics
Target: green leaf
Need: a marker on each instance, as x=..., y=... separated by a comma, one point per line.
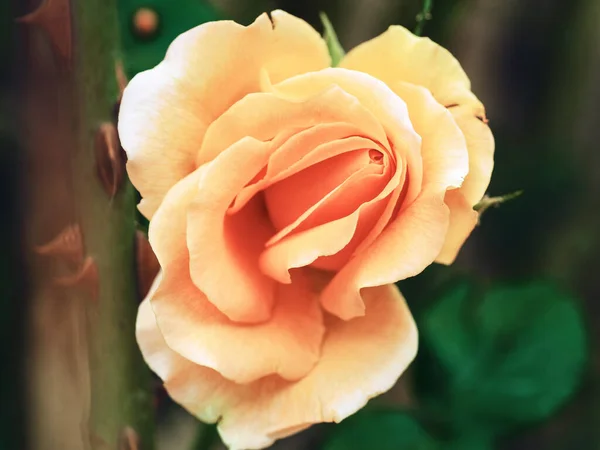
x=333, y=44
x=381, y=430
x=505, y=356
x=174, y=17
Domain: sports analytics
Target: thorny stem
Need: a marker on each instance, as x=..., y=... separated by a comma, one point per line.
x=90, y=386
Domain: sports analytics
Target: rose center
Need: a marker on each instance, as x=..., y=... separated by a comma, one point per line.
x=376, y=156
x=324, y=192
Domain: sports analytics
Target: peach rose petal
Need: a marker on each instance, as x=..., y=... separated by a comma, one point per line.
x=168, y=227
x=399, y=55
x=444, y=150
x=384, y=213
x=480, y=143
x=306, y=148
x=303, y=248
x=264, y=116
x=364, y=356
x=168, y=234
x=288, y=344
x=442, y=133
x=369, y=214
x=416, y=237
x=223, y=61
x=463, y=220
x=296, y=48
x=410, y=243
x=341, y=206
x=376, y=97
x=224, y=249
x=334, y=188
x=299, y=149
x=165, y=111
x=161, y=128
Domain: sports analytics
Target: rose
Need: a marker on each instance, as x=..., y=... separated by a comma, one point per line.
x=284, y=198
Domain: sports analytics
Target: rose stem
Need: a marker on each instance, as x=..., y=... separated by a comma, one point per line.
x=89, y=387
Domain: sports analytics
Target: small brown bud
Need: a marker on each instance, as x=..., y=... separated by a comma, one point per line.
x=145, y=22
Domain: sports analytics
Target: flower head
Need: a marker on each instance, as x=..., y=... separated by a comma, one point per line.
x=285, y=198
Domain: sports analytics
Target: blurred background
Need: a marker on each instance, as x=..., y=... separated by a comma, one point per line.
x=509, y=334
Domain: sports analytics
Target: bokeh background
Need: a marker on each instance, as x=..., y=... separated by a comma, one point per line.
x=509, y=354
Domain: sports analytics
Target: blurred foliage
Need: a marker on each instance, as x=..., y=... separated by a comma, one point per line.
x=493, y=359
x=398, y=430
x=491, y=348
x=145, y=50
x=381, y=430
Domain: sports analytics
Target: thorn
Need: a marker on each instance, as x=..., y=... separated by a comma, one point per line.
x=146, y=263
x=129, y=439
x=54, y=17
x=110, y=158
x=86, y=277
x=68, y=245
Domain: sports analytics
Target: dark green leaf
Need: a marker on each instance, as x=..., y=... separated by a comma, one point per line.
x=389, y=430
x=336, y=51
x=510, y=355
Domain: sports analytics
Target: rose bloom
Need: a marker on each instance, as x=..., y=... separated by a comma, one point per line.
x=285, y=198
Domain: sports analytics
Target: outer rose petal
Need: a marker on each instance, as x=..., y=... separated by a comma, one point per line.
x=463, y=220
x=444, y=150
x=399, y=55
x=165, y=111
x=229, y=255
x=446, y=160
x=161, y=128
x=362, y=358
x=264, y=116
x=415, y=238
x=198, y=330
x=480, y=143
x=288, y=344
x=224, y=249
